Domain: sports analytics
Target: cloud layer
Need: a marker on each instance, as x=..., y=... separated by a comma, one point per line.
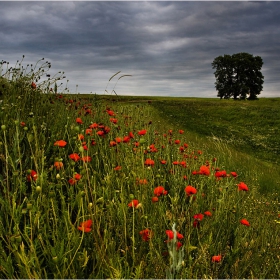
x=167, y=47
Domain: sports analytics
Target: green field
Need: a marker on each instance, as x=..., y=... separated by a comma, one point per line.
x=137, y=187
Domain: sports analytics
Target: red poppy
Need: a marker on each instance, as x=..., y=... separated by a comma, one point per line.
x=126, y=139
x=118, y=139
x=204, y=170
x=94, y=125
x=142, y=132
x=163, y=161
x=234, y=174
x=179, y=245
x=220, y=174
x=243, y=187
x=131, y=135
x=113, y=120
x=177, y=141
x=60, y=143
x=89, y=131
x=133, y=203
x=208, y=213
x=142, y=181
x=216, y=258
x=33, y=85
x=198, y=217
x=85, y=226
x=79, y=120
x=81, y=137
x=146, y=234
x=245, y=222
x=74, y=157
x=32, y=176
x=181, y=131
x=86, y=159
x=77, y=176
x=190, y=190
x=72, y=181
x=110, y=112
x=149, y=162
x=100, y=133
x=22, y=123
x=117, y=168
x=196, y=224
x=170, y=234
x=113, y=143
x=58, y=165
x=158, y=191
x=154, y=199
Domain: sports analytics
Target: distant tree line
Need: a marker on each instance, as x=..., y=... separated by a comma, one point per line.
x=238, y=76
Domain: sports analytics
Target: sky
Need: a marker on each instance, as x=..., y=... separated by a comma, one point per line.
x=167, y=46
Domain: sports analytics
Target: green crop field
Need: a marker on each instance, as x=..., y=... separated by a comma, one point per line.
x=136, y=187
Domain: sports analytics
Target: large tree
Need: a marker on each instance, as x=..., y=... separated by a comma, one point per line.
x=238, y=75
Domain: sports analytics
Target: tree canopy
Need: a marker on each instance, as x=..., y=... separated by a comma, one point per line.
x=238, y=76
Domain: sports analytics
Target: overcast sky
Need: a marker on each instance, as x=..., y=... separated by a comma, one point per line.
x=167, y=46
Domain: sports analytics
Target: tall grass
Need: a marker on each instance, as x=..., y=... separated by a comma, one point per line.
x=120, y=207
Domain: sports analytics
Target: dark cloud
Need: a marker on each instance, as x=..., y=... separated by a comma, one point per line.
x=168, y=47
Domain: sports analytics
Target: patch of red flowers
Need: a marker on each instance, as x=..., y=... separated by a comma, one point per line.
x=158, y=191
x=133, y=203
x=32, y=176
x=146, y=234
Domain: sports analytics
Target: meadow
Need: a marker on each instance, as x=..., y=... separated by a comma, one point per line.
x=135, y=187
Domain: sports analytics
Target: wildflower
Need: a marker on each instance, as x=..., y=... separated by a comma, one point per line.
x=198, y=217
x=163, y=161
x=245, y=222
x=33, y=85
x=89, y=131
x=81, y=137
x=133, y=203
x=77, y=176
x=60, y=143
x=220, y=174
x=146, y=234
x=85, y=226
x=94, y=125
x=233, y=174
x=181, y=131
x=204, y=170
x=100, y=132
x=154, y=199
x=142, y=132
x=22, y=124
x=126, y=139
x=86, y=159
x=177, y=141
x=110, y=113
x=118, y=139
x=117, y=168
x=142, y=181
x=242, y=187
x=149, y=162
x=74, y=157
x=131, y=135
x=179, y=245
x=32, y=176
x=216, y=258
x=158, y=191
x=170, y=234
x=79, y=120
x=190, y=190
x=113, y=120
x=113, y=143
x=208, y=213
x=58, y=165
x=72, y=181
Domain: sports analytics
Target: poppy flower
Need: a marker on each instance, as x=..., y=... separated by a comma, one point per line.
x=245, y=222
x=208, y=213
x=77, y=176
x=163, y=161
x=85, y=226
x=60, y=143
x=58, y=165
x=22, y=123
x=181, y=131
x=146, y=234
x=79, y=120
x=32, y=176
x=216, y=258
x=190, y=190
x=81, y=137
x=113, y=143
x=110, y=112
x=86, y=159
x=89, y=131
x=198, y=217
x=133, y=203
x=33, y=85
x=170, y=234
x=179, y=245
x=204, y=170
x=74, y=157
x=142, y=132
x=177, y=141
x=220, y=174
x=131, y=135
x=154, y=199
x=117, y=168
x=94, y=125
x=243, y=187
x=196, y=224
x=100, y=132
x=126, y=139
x=149, y=162
x=113, y=120
x=118, y=139
x=142, y=181
x=72, y=181
x=233, y=174
x=158, y=191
